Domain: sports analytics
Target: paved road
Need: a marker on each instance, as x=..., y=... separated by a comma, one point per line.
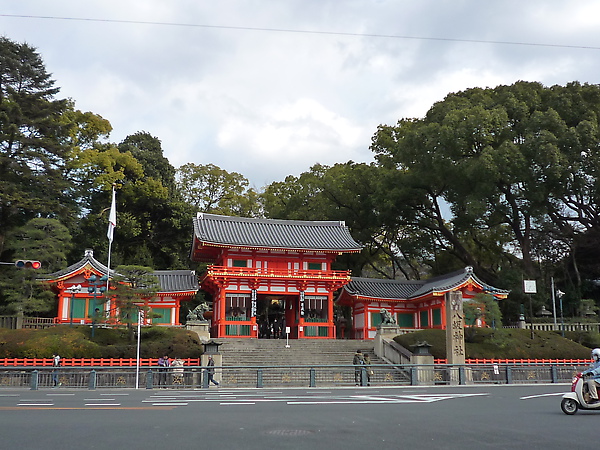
x=462, y=417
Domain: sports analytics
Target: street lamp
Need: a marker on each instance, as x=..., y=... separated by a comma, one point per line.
x=97, y=285
x=560, y=294
x=74, y=289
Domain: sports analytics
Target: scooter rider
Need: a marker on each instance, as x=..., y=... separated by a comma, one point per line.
x=593, y=375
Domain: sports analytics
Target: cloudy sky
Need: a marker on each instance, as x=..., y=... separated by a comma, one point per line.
x=267, y=88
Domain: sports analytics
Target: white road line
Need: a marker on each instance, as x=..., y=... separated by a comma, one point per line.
x=237, y=403
x=35, y=404
x=358, y=399
x=169, y=404
x=98, y=399
x=350, y=402
x=542, y=395
x=102, y=404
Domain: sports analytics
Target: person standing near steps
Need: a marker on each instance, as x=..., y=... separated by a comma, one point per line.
x=359, y=362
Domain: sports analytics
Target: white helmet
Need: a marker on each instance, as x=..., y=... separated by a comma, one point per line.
x=596, y=354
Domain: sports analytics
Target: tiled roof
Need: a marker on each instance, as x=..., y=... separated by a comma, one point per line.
x=406, y=290
x=88, y=260
x=217, y=230
x=169, y=280
x=177, y=280
x=382, y=288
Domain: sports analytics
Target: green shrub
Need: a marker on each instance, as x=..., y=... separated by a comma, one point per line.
x=76, y=342
x=506, y=343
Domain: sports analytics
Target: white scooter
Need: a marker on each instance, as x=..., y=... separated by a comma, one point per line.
x=579, y=397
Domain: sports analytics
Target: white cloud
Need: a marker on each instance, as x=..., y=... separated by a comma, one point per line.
x=271, y=103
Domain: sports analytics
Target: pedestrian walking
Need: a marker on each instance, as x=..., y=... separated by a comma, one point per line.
x=56, y=363
x=210, y=371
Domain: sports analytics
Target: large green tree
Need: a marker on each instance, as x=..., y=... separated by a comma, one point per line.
x=33, y=148
x=346, y=192
x=500, y=178
x=21, y=290
x=147, y=150
x=210, y=189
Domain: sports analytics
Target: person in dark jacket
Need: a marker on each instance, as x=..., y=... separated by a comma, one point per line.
x=358, y=361
x=163, y=367
x=368, y=367
x=211, y=371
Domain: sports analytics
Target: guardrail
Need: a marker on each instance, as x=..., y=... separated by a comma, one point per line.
x=88, y=362
x=286, y=376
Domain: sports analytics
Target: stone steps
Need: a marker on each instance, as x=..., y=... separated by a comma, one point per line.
x=265, y=352
x=277, y=362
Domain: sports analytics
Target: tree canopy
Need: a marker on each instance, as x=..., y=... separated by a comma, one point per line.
x=503, y=179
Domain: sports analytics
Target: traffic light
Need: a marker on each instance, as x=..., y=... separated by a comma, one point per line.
x=27, y=264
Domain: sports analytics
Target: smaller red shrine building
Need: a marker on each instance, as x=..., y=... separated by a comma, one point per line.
x=416, y=305
x=81, y=291
x=269, y=275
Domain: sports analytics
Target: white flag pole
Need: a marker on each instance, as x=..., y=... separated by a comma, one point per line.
x=137, y=356
x=112, y=224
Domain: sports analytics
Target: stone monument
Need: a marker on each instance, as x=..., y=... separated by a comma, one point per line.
x=386, y=331
x=455, y=334
x=195, y=321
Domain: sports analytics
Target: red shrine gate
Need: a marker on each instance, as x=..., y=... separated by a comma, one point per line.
x=269, y=276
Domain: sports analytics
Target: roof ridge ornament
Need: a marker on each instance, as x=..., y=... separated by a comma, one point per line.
x=469, y=270
x=89, y=253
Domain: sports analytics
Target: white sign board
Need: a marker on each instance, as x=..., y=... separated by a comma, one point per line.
x=529, y=287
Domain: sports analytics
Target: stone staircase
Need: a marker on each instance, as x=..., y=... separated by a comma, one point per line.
x=273, y=352
x=268, y=362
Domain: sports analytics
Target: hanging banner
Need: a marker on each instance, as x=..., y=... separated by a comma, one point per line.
x=253, y=303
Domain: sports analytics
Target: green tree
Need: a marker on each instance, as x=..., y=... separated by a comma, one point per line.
x=508, y=163
x=33, y=151
x=210, y=189
x=131, y=288
x=345, y=192
x=46, y=240
x=147, y=150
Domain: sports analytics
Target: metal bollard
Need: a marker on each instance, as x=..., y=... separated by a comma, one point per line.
x=92, y=382
x=461, y=376
x=259, y=378
x=34, y=380
x=554, y=374
x=363, y=376
x=205, y=379
x=414, y=381
x=149, y=379
x=313, y=378
x=509, y=375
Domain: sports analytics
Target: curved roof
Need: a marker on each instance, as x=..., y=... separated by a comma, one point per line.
x=169, y=280
x=228, y=231
x=87, y=260
x=409, y=290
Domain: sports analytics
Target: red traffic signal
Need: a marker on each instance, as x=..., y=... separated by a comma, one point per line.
x=28, y=264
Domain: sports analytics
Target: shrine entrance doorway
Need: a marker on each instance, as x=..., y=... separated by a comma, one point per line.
x=274, y=314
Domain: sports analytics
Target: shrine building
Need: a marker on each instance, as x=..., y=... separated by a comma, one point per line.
x=81, y=288
x=416, y=305
x=270, y=276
